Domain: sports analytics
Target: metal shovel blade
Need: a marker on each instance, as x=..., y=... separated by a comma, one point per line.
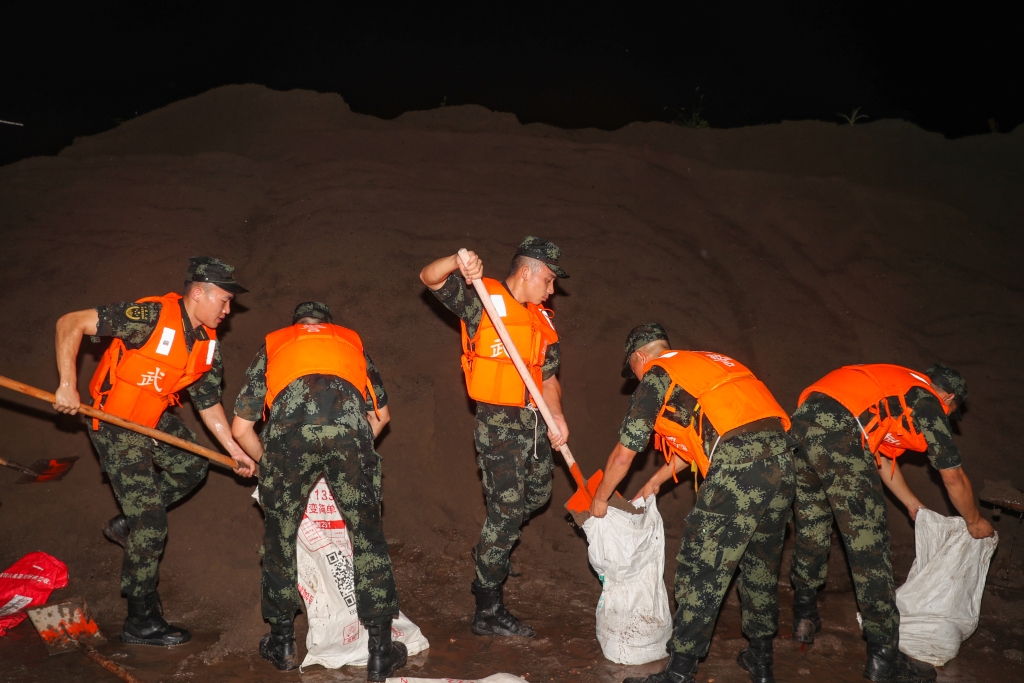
x=579, y=504
x=49, y=469
x=62, y=623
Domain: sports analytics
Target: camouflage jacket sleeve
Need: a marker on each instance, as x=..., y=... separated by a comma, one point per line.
x=645, y=404
x=931, y=420
x=552, y=359
x=131, y=322
x=208, y=390
x=461, y=300
x=249, y=404
x=378, y=386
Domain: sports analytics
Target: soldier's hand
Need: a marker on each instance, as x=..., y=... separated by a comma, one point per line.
x=981, y=528
x=651, y=488
x=473, y=269
x=68, y=401
x=599, y=508
x=247, y=467
x=560, y=439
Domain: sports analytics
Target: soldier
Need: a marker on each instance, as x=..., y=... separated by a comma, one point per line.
x=851, y=425
x=161, y=345
x=326, y=404
x=710, y=413
x=513, y=456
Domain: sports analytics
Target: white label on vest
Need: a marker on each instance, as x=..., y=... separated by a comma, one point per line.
x=917, y=376
x=166, y=340
x=209, y=352
x=668, y=354
x=499, y=305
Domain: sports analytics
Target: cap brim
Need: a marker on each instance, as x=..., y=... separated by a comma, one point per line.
x=627, y=372
x=556, y=270
x=232, y=287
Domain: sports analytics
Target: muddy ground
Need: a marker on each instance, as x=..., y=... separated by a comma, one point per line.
x=795, y=248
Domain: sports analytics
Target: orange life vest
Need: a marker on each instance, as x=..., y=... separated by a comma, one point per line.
x=143, y=382
x=491, y=376
x=862, y=388
x=321, y=349
x=727, y=394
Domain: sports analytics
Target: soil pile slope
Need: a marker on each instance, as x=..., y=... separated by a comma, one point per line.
x=795, y=248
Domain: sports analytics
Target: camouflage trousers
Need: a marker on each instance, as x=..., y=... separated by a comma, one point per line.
x=147, y=477
x=516, y=467
x=291, y=465
x=739, y=521
x=837, y=478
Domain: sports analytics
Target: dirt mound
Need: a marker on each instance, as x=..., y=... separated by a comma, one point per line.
x=795, y=248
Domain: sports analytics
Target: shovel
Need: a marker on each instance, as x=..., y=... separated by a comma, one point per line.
x=41, y=471
x=68, y=625
x=579, y=504
x=120, y=422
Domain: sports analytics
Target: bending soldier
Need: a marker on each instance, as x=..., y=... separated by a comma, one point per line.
x=851, y=426
x=326, y=405
x=161, y=345
x=513, y=454
x=708, y=412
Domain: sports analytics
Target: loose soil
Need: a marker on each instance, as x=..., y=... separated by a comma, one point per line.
x=796, y=248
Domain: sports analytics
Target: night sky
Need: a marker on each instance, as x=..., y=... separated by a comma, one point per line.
x=80, y=70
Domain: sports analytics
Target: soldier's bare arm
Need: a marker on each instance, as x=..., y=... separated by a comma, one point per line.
x=244, y=433
x=434, y=275
x=217, y=422
x=962, y=494
x=552, y=391
x=663, y=474
x=71, y=327
x=619, y=462
x=894, y=481
x=377, y=423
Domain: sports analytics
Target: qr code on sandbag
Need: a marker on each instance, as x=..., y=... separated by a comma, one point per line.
x=343, y=571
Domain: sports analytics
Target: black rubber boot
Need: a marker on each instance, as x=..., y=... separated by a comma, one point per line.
x=492, y=619
x=116, y=530
x=278, y=646
x=145, y=624
x=887, y=664
x=386, y=657
x=680, y=669
x=757, y=660
x=806, y=621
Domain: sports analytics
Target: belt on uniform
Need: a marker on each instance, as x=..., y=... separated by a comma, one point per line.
x=765, y=424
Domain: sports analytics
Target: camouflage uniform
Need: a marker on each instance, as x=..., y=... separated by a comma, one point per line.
x=131, y=460
x=513, y=452
x=317, y=425
x=838, y=478
x=738, y=521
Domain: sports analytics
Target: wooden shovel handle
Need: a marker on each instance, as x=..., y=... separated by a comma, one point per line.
x=531, y=386
x=216, y=457
x=107, y=664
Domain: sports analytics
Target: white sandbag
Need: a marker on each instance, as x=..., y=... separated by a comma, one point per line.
x=628, y=553
x=940, y=602
x=326, y=582
x=496, y=678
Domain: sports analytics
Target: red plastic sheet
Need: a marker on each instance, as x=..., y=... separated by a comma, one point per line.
x=28, y=583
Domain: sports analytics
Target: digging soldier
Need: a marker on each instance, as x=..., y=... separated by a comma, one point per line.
x=709, y=413
x=161, y=345
x=325, y=404
x=852, y=424
x=513, y=454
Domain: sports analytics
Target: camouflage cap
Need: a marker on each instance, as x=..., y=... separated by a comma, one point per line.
x=950, y=381
x=544, y=251
x=312, y=309
x=639, y=337
x=215, y=271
